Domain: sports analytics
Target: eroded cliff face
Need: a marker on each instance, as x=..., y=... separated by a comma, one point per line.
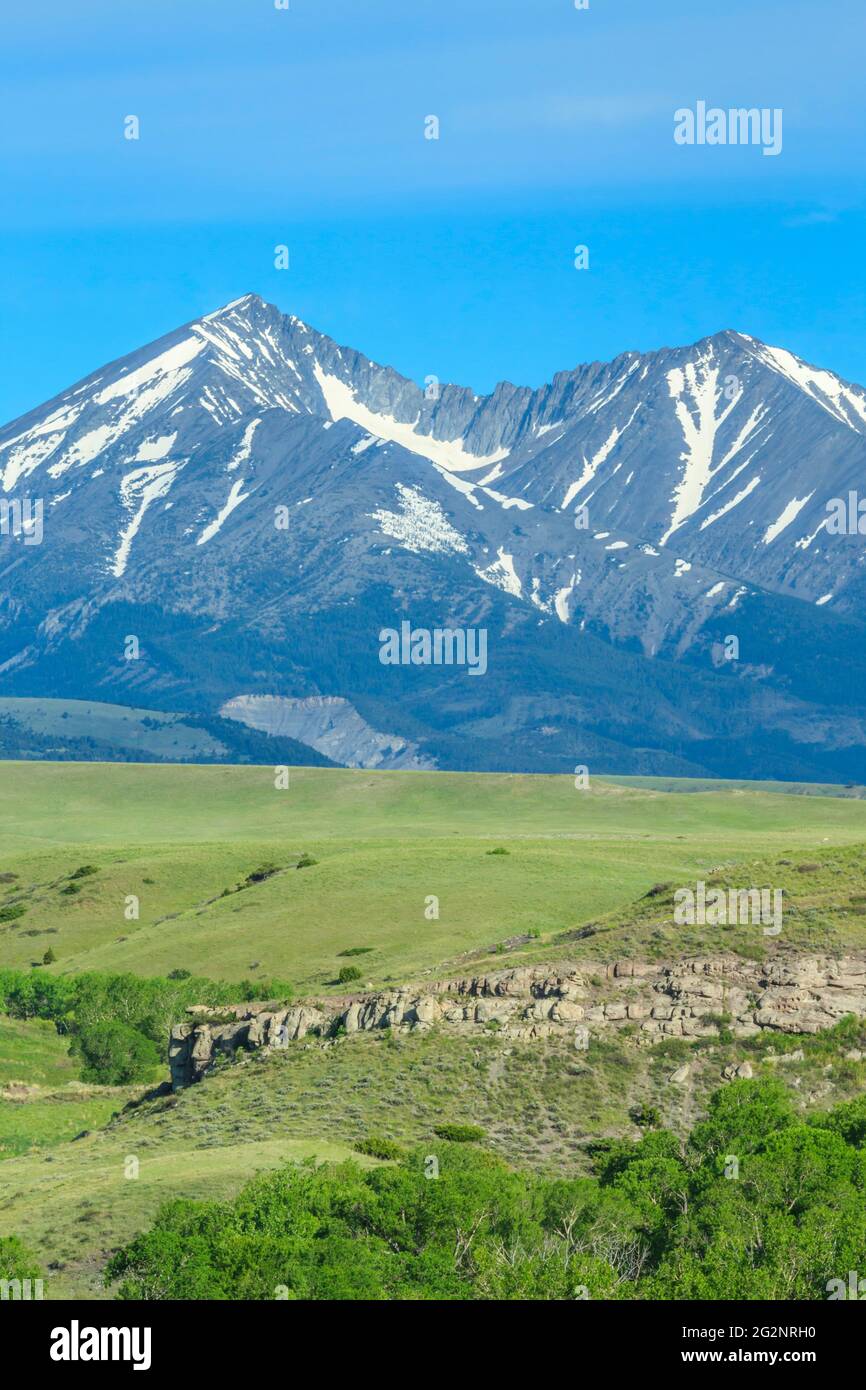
x=791, y=994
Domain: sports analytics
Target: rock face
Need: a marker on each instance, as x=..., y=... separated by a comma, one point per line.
x=601, y=528
x=791, y=994
x=195, y=1046
x=330, y=725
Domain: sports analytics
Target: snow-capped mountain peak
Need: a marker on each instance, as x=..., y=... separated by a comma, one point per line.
x=247, y=468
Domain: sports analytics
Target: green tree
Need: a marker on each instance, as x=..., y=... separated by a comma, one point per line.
x=115, y=1054
x=16, y=1260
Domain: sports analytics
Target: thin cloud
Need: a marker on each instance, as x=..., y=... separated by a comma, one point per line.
x=816, y=218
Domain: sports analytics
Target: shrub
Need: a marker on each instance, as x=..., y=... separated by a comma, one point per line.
x=262, y=872
x=349, y=973
x=114, y=1054
x=11, y=914
x=722, y=1025
x=499, y=850
x=654, y=1223
x=84, y=871
x=49, y=958
x=305, y=861
x=71, y=888
x=29, y=994
x=657, y=890
x=645, y=1116
x=151, y=1006
x=460, y=1134
x=16, y=1261
x=357, y=951
x=377, y=1146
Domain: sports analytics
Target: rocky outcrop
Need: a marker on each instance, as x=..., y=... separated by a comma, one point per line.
x=790, y=994
x=331, y=725
x=196, y=1046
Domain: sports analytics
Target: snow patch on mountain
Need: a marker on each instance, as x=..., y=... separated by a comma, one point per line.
x=789, y=512
x=139, y=392
x=143, y=486
x=150, y=450
x=25, y=459
x=244, y=448
x=598, y=458
x=461, y=485
x=844, y=402
x=805, y=541
x=234, y=499
x=507, y=502
x=502, y=574
x=562, y=599
x=364, y=444
x=535, y=596
x=700, y=424
x=343, y=404
x=58, y=422
x=163, y=369
x=757, y=415
x=733, y=502
x=420, y=525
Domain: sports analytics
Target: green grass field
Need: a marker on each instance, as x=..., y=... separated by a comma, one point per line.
x=177, y=837
x=42, y=1102
x=539, y=1106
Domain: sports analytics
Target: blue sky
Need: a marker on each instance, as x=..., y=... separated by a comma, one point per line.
x=453, y=257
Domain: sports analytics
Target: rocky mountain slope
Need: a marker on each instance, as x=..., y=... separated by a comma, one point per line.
x=254, y=504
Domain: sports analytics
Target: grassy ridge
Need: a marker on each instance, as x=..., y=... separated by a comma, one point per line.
x=45, y=805
x=177, y=837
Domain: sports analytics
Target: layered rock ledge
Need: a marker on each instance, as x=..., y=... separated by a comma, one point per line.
x=791, y=994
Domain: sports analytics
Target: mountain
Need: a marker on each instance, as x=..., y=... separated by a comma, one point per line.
x=253, y=504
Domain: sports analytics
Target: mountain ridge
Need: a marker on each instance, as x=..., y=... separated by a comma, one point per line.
x=657, y=505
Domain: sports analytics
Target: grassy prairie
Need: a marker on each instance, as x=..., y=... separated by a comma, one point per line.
x=74, y=1204
x=177, y=837
x=42, y=1102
